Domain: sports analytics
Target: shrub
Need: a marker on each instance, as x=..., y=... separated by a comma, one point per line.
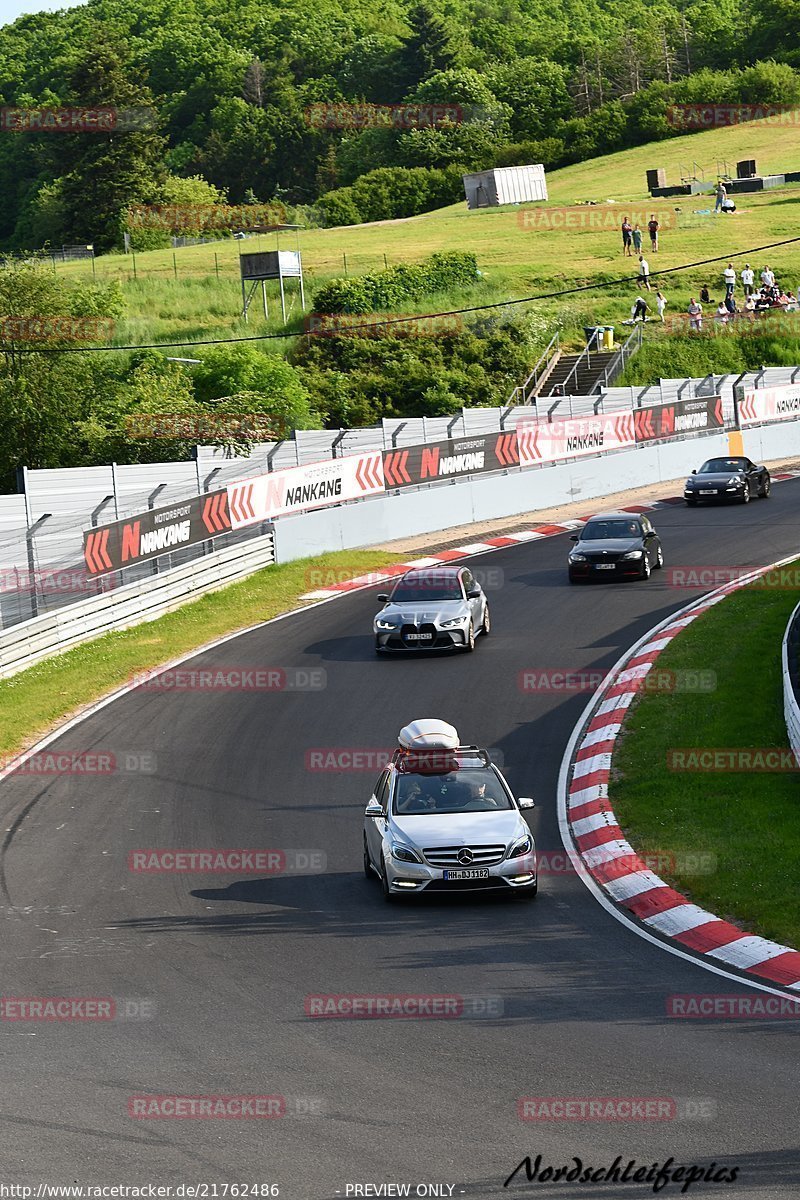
x=397, y=285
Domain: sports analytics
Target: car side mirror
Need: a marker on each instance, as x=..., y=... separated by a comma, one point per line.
x=373, y=809
x=473, y=594
x=383, y=597
x=526, y=802
x=573, y=537
x=694, y=472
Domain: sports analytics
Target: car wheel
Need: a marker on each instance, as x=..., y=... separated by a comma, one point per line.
x=660, y=558
x=487, y=622
x=765, y=490
x=646, y=568
x=368, y=871
x=470, y=644
x=388, y=896
x=746, y=496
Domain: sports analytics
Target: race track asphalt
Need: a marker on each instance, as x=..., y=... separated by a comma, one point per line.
x=226, y=961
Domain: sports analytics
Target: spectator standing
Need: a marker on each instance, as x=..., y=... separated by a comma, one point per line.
x=722, y=195
x=627, y=231
x=730, y=304
x=729, y=275
x=695, y=312
x=661, y=304
x=637, y=239
x=748, y=278
x=722, y=313
x=768, y=277
x=644, y=273
x=652, y=229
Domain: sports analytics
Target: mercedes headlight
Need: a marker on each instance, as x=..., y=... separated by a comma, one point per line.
x=454, y=621
x=405, y=854
x=523, y=846
x=633, y=554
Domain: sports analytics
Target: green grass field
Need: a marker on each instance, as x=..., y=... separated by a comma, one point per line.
x=747, y=822
x=521, y=251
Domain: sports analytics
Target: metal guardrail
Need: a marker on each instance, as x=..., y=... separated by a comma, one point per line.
x=632, y=343
x=29, y=642
x=790, y=660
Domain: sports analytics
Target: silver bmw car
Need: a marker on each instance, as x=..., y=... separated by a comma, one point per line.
x=432, y=608
x=443, y=819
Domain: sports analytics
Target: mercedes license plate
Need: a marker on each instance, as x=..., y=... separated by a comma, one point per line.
x=418, y=637
x=475, y=873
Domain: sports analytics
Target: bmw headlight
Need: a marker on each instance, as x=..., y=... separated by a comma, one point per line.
x=454, y=621
x=633, y=554
x=577, y=558
x=523, y=846
x=385, y=623
x=405, y=853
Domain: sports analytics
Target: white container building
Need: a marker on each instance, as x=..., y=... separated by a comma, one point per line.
x=505, y=185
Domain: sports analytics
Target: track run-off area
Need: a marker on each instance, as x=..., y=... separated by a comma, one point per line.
x=214, y=976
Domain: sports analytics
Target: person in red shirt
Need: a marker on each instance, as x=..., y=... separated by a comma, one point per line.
x=652, y=226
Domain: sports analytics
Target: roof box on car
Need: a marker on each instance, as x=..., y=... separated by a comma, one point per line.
x=428, y=735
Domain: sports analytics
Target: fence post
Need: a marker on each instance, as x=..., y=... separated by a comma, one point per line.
x=174, y=264
x=344, y=260
x=216, y=264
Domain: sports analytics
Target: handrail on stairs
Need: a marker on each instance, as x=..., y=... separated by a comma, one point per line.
x=523, y=391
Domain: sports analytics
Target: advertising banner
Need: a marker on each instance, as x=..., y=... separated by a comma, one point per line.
x=301, y=488
x=678, y=418
x=542, y=442
x=413, y=465
x=154, y=532
x=769, y=404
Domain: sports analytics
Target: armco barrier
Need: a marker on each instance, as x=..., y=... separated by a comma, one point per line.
x=29, y=642
x=791, y=680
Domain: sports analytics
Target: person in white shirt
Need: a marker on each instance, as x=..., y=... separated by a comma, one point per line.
x=729, y=275
x=768, y=277
x=695, y=312
x=722, y=313
x=661, y=304
x=748, y=278
x=644, y=273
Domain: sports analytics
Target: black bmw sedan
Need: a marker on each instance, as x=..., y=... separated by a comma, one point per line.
x=727, y=479
x=615, y=545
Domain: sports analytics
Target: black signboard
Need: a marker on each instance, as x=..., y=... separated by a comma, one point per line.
x=412, y=465
x=678, y=418
x=157, y=531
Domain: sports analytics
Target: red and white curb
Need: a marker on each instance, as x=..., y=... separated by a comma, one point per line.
x=598, y=847
x=473, y=548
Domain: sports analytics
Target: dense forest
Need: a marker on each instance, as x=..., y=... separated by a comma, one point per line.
x=236, y=92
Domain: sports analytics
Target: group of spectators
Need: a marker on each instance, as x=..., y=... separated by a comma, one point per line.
x=632, y=236
x=769, y=297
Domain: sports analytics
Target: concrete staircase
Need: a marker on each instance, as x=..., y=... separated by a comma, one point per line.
x=563, y=379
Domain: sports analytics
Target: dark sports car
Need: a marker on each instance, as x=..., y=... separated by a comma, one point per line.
x=615, y=545
x=727, y=479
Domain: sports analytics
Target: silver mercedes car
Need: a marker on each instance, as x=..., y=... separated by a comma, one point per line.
x=443, y=819
x=432, y=608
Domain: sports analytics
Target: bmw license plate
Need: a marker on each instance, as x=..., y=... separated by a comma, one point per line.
x=418, y=637
x=708, y=491
x=475, y=873
x=604, y=566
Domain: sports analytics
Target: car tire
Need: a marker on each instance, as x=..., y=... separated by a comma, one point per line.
x=487, y=622
x=470, y=642
x=746, y=496
x=646, y=568
x=660, y=558
x=765, y=490
x=388, y=896
x=368, y=871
